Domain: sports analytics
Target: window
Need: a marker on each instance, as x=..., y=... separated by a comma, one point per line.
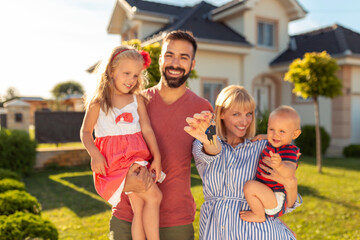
x=266, y=34
x=18, y=117
x=211, y=90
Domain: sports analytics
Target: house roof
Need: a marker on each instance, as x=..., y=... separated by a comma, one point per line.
x=195, y=19
x=31, y=98
x=336, y=40
x=17, y=103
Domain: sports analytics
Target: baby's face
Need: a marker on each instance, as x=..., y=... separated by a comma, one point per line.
x=281, y=130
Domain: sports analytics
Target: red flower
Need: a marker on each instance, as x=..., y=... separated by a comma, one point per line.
x=124, y=117
x=147, y=58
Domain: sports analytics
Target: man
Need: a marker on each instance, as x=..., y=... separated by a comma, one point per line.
x=170, y=103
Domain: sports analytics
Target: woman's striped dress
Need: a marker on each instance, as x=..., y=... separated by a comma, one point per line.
x=224, y=176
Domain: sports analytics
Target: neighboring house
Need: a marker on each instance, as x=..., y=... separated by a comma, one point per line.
x=246, y=42
x=36, y=104
x=73, y=102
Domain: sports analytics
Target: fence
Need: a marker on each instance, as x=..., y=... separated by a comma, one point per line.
x=58, y=127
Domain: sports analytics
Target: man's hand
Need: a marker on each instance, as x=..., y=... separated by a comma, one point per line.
x=138, y=179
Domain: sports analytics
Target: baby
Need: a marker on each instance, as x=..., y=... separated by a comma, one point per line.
x=264, y=195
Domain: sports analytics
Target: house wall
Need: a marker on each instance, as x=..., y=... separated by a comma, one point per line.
x=355, y=105
x=208, y=65
x=147, y=28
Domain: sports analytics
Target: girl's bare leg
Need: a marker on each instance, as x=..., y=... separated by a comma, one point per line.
x=259, y=197
x=137, y=228
x=152, y=199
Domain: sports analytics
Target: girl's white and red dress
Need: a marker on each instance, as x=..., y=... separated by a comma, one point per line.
x=119, y=139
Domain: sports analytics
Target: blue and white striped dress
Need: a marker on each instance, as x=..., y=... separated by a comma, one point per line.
x=223, y=177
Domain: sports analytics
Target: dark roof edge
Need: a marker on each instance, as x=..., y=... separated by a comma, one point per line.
x=339, y=55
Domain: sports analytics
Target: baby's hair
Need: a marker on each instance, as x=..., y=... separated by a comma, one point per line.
x=234, y=96
x=287, y=111
x=105, y=87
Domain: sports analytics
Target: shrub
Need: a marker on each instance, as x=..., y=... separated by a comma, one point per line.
x=14, y=200
x=5, y=173
x=21, y=225
x=17, y=151
x=262, y=122
x=11, y=184
x=352, y=150
x=307, y=140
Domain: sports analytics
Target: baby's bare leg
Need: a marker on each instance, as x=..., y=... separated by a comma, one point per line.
x=259, y=197
x=150, y=215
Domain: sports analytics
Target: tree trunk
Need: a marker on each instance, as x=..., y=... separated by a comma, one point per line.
x=318, y=135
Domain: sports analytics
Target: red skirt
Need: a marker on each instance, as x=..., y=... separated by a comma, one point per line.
x=120, y=152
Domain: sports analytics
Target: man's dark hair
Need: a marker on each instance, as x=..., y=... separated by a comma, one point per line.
x=181, y=35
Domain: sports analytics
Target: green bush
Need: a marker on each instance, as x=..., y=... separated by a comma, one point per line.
x=11, y=184
x=352, y=150
x=17, y=151
x=14, y=200
x=262, y=122
x=19, y=226
x=5, y=173
x=307, y=140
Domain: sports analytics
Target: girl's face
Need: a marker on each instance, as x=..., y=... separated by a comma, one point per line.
x=236, y=121
x=126, y=75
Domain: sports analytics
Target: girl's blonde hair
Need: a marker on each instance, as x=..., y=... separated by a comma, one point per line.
x=234, y=96
x=105, y=86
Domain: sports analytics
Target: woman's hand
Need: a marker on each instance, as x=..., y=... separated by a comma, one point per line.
x=259, y=137
x=198, y=125
x=197, y=128
x=98, y=164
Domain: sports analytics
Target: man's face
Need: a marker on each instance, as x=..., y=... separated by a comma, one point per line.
x=176, y=62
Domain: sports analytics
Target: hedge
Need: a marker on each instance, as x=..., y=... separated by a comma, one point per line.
x=11, y=184
x=307, y=140
x=15, y=200
x=352, y=150
x=17, y=151
x=6, y=173
x=19, y=226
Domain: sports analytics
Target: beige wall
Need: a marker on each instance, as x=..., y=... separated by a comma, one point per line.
x=208, y=65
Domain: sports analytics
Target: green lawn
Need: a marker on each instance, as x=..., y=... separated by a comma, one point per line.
x=331, y=208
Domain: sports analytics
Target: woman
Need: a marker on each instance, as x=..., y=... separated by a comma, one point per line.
x=227, y=164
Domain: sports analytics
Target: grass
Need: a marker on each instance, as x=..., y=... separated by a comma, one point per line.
x=331, y=208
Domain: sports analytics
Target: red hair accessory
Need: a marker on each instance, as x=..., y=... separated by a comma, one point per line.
x=144, y=54
x=147, y=58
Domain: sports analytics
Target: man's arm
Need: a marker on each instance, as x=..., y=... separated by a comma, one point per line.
x=138, y=179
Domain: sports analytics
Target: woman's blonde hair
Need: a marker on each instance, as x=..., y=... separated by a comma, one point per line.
x=234, y=96
x=105, y=86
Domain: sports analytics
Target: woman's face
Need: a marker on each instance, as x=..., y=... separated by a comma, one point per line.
x=236, y=121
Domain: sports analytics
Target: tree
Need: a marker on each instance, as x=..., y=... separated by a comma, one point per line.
x=67, y=88
x=11, y=93
x=314, y=76
x=154, y=50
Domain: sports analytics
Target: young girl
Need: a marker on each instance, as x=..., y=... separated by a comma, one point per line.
x=121, y=124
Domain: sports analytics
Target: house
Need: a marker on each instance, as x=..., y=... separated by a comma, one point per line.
x=246, y=42
x=35, y=104
x=73, y=102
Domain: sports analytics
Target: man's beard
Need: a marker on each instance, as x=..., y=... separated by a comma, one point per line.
x=173, y=82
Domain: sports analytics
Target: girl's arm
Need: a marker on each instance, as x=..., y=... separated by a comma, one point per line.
x=98, y=162
x=149, y=137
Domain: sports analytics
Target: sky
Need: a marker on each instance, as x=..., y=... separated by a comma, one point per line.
x=43, y=43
